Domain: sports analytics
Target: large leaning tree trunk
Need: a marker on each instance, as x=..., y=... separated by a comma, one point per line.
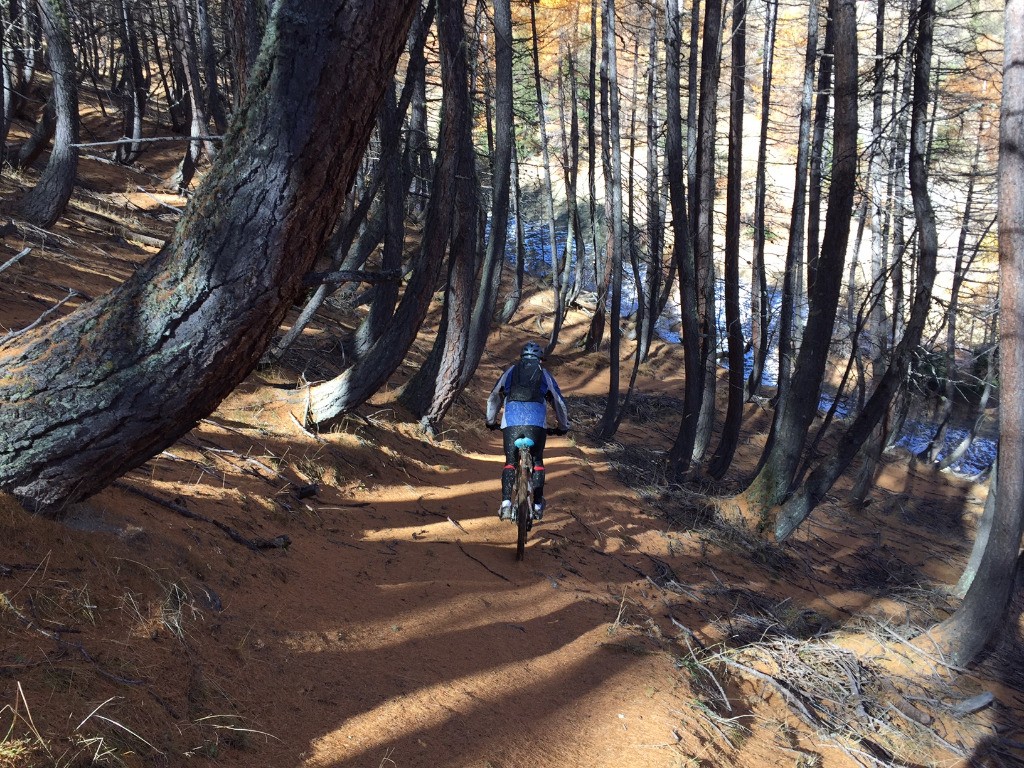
x=98, y=393
x=46, y=201
x=964, y=635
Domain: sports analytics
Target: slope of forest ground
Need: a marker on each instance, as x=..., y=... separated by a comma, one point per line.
x=396, y=628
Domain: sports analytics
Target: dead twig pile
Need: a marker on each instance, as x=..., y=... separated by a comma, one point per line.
x=860, y=708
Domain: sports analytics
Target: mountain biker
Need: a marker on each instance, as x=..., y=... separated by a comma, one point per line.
x=523, y=388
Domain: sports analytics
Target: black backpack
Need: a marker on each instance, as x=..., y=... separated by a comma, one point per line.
x=524, y=384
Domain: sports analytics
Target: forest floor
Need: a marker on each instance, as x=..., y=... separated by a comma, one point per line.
x=397, y=629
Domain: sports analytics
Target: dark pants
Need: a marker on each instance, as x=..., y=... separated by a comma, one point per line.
x=508, y=475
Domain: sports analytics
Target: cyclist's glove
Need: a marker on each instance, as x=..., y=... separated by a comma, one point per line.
x=493, y=426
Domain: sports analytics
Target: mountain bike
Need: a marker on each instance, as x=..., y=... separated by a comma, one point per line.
x=522, y=501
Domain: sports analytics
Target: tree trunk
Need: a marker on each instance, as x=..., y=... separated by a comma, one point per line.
x=385, y=294
x=960, y=450
x=982, y=536
x=612, y=154
x=759, y=304
x=341, y=241
x=794, y=414
x=792, y=284
x=6, y=84
x=655, y=224
x=46, y=201
x=504, y=137
x=693, y=386
x=511, y=304
x=19, y=63
x=707, y=120
x=214, y=100
x=42, y=134
x=463, y=248
x=821, y=479
x=134, y=89
x=964, y=635
x=246, y=22
x=571, y=283
x=549, y=200
x=734, y=414
x=123, y=377
x=950, y=388
x=595, y=333
x=353, y=386
x=817, y=159
x=184, y=41
x=172, y=75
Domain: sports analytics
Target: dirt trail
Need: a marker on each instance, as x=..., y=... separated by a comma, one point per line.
x=403, y=628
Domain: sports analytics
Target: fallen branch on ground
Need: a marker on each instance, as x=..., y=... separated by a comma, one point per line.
x=481, y=562
x=72, y=293
x=15, y=259
x=152, y=140
x=350, y=276
x=278, y=542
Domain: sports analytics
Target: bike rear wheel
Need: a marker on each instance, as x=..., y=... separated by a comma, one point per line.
x=524, y=500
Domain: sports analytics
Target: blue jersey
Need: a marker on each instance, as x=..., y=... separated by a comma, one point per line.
x=527, y=414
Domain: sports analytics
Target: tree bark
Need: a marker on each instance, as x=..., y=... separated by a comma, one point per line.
x=396, y=183
x=759, y=304
x=949, y=390
x=511, y=303
x=651, y=294
x=982, y=536
x=246, y=22
x=121, y=378
x=46, y=201
x=612, y=155
x=793, y=282
x=340, y=246
x=185, y=44
x=501, y=175
x=595, y=333
x=214, y=100
x=549, y=200
x=707, y=121
x=682, y=253
x=734, y=414
x=19, y=64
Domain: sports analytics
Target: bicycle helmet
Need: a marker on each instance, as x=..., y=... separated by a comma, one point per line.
x=532, y=349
